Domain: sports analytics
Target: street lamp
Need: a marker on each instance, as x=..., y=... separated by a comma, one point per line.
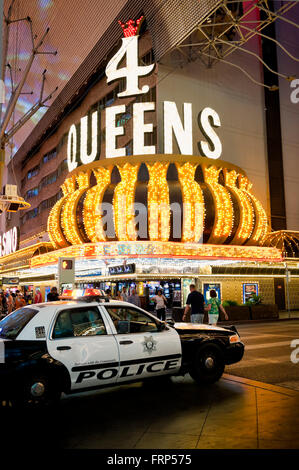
x=10, y=201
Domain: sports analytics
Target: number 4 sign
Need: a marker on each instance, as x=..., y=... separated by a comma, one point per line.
x=132, y=71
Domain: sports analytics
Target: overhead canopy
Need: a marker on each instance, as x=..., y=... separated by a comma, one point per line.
x=22, y=257
x=285, y=240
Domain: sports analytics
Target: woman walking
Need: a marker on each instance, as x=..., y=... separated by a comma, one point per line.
x=3, y=305
x=160, y=302
x=213, y=307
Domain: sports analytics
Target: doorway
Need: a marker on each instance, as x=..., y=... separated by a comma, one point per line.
x=279, y=291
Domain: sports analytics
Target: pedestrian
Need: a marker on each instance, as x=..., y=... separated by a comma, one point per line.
x=38, y=297
x=195, y=302
x=124, y=294
x=108, y=293
x=9, y=300
x=213, y=307
x=118, y=295
x=13, y=294
x=134, y=298
x=53, y=295
x=3, y=305
x=20, y=301
x=160, y=305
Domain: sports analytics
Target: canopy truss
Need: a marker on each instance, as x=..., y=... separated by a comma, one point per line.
x=229, y=28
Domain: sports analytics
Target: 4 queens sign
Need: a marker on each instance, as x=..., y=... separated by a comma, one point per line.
x=78, y=149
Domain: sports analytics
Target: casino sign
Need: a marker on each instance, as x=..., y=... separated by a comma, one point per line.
x=163, y=202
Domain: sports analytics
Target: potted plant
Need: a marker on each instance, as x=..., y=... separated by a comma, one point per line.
x=235, y=311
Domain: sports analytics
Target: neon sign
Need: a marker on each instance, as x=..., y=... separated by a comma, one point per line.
x=173, y=125
x=9, y=242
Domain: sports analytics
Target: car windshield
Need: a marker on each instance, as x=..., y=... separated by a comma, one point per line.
x=12, y=325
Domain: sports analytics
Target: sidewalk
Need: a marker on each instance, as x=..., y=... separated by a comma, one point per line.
x=283, y=315
x=235, y=413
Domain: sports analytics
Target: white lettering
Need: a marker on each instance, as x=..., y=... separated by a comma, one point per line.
x=172, y=122
x=9, y=242
x=295, y=353
x=15, y=239
x=85, y=158
x=208, y=118
x=132, y=71
x=72, y=148
x=295, y=94
x=139, y=129
x=112, y=132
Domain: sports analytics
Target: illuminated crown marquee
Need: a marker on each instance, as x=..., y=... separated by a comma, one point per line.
x=229, y=212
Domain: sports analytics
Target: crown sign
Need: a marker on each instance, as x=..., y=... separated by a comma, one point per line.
x=131, y=27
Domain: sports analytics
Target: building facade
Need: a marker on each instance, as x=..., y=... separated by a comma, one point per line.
x=197, y=112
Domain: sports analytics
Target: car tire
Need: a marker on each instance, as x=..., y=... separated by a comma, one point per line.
x=36, y=391
x=208, y=365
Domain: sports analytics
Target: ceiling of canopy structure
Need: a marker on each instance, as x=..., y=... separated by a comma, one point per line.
x=74, y=28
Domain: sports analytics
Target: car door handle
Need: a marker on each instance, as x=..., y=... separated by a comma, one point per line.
x=63, y=348
x=126, y=342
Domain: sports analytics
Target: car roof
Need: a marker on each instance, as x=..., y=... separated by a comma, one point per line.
x=81, y=302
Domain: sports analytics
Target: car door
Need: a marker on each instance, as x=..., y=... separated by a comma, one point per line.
x=145, y=349
x=83, y=341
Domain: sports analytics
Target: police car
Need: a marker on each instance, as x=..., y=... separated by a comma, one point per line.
x=86, y=341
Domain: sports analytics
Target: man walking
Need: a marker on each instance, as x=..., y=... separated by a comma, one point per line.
x=124, y=294
x=53, y=295
x=134, y=298
x=195, y=301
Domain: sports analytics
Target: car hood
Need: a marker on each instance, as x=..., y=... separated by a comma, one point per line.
x=198, y=327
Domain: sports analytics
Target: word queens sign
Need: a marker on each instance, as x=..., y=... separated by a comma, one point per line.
x=78, y=149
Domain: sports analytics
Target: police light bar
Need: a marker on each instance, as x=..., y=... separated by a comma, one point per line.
x=87, y=295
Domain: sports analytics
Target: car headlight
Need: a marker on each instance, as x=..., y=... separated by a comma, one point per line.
x=234, y=339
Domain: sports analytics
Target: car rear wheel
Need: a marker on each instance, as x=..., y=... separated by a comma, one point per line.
x=36, y=391
x=208, y=365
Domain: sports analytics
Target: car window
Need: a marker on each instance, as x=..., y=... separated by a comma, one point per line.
x=13, y=324
x=129, y=320
x=79, y=322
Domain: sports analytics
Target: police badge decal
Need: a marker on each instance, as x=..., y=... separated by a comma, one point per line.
x=149, y=344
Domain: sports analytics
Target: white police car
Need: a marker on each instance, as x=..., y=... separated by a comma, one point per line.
x=88, y=343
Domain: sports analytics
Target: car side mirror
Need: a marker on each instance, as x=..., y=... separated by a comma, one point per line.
x=161, y=326
x=170, y=322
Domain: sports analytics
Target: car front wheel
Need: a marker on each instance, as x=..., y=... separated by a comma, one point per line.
x=208, y=365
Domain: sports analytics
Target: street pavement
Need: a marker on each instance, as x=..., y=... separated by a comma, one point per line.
x=234, y=413
x=268, y=351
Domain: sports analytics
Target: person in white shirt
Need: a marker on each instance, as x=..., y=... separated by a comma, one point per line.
x=160, y=302
x=124, y=294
